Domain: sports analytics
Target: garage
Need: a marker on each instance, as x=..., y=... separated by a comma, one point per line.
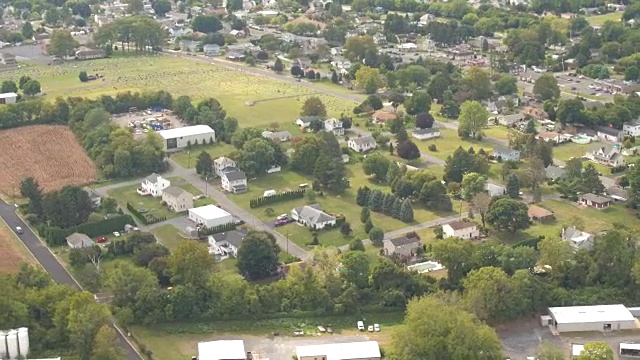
x=210, y=216
x=179, y=138
x=590, y=318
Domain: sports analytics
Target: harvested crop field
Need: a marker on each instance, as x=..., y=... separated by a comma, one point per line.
x=49, y=153
x=12, y=251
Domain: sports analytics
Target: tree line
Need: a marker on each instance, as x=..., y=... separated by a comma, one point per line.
x=138, y=33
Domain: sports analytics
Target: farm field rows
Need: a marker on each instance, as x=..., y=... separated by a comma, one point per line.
x=12, y=251
x=275, y=101
x=49, y=153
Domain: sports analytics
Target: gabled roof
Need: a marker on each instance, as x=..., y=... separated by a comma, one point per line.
x=233, y=237
x=617, y=192
x=608, y=130
x=313, y=214
x=78, y=239
x=404, y=241
x=554, y=172
x=234, y=175
x=153, y=178
x=222, y=160
x=538, y=212
x=459, y=225
x=426, y=131
x=504, y=150
x=364, y=140
x=595, y=198
x=175, y=191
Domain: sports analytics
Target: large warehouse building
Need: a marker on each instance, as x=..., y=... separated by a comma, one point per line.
x=210, y=216
x=590, y=318
x=179, y=138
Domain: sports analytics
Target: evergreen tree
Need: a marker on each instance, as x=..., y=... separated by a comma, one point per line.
x=397, y=206
x=513, y=186
x=376, y=235
x=345, y=229
x=362, y=198
x=368, y=225
x=590, y=181
x=278, y=66
x=365, y=214
x=392, y=172
x=375, y=200
x=387, y=203
x=406, y=211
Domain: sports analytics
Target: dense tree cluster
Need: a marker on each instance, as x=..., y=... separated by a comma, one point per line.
x=138, y=33
x=321, y=156
x=386, y=203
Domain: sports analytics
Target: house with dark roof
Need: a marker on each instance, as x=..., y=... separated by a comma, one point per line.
x=578, y=239
x=505, y=153
x=177, y=199
x=426, y=134
x=405, y=246
x=461, y=229
x=153, y=185
x=312, y=216
x=234, y=180
x=555, y=173
x=594, y=201
x=631, y=128
x=362, y=144
x=617, y=193
x=227, y=243
x=606, y=155
x=609, y=134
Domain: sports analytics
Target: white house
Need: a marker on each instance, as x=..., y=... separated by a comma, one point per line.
x=210, y=216
x=460, y=229
x=222, y=163
x=226, y=243
x=8, y=98
x=313, y=216
x=510, y=120
x=631, y=128
x=363, y=350
x=153, y=185
x=222, y=350
x=590, y=318
x=211, y=49
x=362, y=144
x=578, y=239
x=426, y=134
x=495, y=190
x=606, y=155
x=335, y=126
x=179, y=138
x=609, y=134
x=234, y=180
x=177, y=199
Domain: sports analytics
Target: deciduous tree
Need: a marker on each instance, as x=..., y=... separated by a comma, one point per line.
x=508, y=214
x=62, y=44
x=313, y=106
x=190, y=263
x=472, y=184
x=424, y=120
x=204, y=164
x=377, y=165
x=258, y=255
x=408, y=150
x=473, y=117
x=546, y=87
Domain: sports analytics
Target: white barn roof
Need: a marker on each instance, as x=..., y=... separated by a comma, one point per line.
x=591, y=314
x=341, y=351
x=8, y=95
x=209, y=212
x=186, y=131
x=221, y=349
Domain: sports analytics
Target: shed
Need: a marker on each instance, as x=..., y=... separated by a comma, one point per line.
x=536, y=213
x=591, y=318
x=79, y=241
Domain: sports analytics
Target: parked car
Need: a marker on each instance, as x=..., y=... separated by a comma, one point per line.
x=239, y=222
x=282, y=217
x=101, y=239
x=370, y=328
x=361, y=325
x=376, y=327
x=116, y=234
x=298, y=332
x=19, y=230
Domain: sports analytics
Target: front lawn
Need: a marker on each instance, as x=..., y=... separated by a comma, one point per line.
x=152, y=205
x=168, y=235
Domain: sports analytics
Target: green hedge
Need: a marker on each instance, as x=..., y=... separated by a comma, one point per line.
x=145, y=219
x=216, y=229
x=57, y=236
x=283, y=196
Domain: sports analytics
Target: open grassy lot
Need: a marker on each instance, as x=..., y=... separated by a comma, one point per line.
x=168, y=235
x=275, y=101
x=449, y=142
x=12, y=251
x=187, y=159
x=598, y=20
x=497, y=132
x=570, y=150
x=344, y=204
x=153, y=205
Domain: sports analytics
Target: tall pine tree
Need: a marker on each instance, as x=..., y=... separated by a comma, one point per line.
x=376, y=199
x=395, y=210
x=513, y=186
x=387, y=203
x=406, y=211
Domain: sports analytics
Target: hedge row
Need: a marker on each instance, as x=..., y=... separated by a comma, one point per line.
x=216, y=229
x=57, y=236
x=145, y=219
x=283, y=196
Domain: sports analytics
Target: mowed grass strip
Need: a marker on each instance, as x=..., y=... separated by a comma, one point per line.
x=128, y=194
x=168, y=235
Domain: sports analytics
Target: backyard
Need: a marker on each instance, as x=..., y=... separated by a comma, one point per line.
x=168, y=235
x=449, y=142
x=153, y=206
x=273, y=101
x=599, y=20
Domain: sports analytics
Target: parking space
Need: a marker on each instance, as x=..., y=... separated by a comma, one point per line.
x=570, y=83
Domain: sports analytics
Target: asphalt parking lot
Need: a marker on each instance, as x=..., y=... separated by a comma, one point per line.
x=568, y=85
x=27, y=53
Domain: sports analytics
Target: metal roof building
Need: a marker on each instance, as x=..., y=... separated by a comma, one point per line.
x=591, y=318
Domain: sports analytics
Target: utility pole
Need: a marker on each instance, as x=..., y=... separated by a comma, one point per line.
x=206, y=186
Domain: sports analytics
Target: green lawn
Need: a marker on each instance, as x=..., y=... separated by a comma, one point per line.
x=570, y=150
x=168, y=235
x=187, y=159
x=599, y=20
x=153, y=205
x=344, y=204
x=449, y=142
x=191, y=189
x=275, y=101
x=497, y=132
x=179, y=341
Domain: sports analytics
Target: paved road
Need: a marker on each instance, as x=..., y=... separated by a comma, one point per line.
x=53, y=266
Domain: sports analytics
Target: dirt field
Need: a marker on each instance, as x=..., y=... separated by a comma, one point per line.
x=12, y=251
x=49, y=153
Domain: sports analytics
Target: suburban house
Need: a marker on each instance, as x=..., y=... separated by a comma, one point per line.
x=426, y=134
x=94, y=196
x=405, y=246
x=549, y=136
x=495, y=190
x=461, y=229
x=305, y=121
x=279, y=136
x=362, y=144
x=313, y=216
x=153, y=185
x=539, y=214
x=510, y=120
x=382, y=117
x=617, y=193
x=79, y=241
x=609, y=134
x=606, y=155
x=504, y=153
x=85, y=53
x=227, y=243
x=234, y=180
x=578, y=239
x=631, y=128
x=177, y=199
x=498, y=106
x=335, y=126
x=222, y=163
x=211, y=49
x=594, y=201
x=555, y=173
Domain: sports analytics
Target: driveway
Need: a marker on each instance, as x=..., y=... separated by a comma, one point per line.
x=53, y=266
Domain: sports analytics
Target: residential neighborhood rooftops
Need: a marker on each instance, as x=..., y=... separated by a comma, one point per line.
x=221, y=350
x=185, y=131
x=313, y=213
x=594, y=198
x=608, y=130
x=554, y=172
x=596, y=313
x=617, y=193
x=233, y=237
x=458, y=225
x=152, y=178
x=340, y=351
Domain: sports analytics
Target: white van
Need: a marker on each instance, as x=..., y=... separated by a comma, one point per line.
x=269, y=193
x=361, y=325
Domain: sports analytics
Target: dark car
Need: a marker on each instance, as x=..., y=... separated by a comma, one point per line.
x=280, y=223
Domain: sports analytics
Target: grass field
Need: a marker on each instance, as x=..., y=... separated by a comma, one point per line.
x=275, y=101
x=570, y=150
x=497, y=132
x=51, y=154
x=12, y=251
x=598, y=20
x=449, y=142
x=187, y=159
x=168, y=235
x=153, y=205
